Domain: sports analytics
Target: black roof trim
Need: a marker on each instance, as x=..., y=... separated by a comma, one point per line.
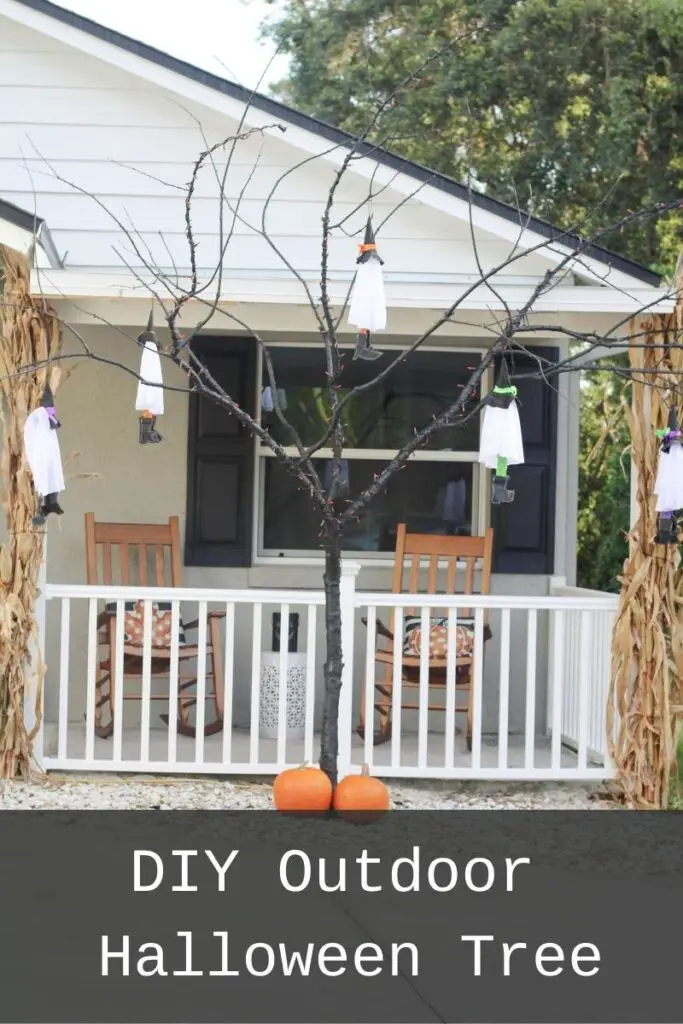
x=20, y=218
x=336, y=135
x=26, y=221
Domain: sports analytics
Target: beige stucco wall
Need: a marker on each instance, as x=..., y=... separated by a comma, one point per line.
x=96, y=405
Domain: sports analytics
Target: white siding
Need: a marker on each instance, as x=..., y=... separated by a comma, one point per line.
x=85, y=119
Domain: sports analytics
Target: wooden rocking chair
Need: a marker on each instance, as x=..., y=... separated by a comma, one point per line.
x=147, y=540
x=418, y=549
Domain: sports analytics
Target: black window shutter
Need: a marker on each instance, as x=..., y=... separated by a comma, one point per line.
x=220, y=459
x=524, y=539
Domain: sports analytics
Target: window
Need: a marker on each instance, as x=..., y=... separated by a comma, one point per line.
x=241, y=506
x=435, y=493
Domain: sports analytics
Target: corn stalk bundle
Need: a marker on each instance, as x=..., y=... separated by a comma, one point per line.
x=28, y=334
x=646, y=694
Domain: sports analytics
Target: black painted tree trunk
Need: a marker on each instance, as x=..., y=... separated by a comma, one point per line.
x=329, y=742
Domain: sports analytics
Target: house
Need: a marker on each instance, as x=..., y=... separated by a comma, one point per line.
x=99, y=136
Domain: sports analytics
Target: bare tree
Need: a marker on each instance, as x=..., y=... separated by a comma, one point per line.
x=510, y=333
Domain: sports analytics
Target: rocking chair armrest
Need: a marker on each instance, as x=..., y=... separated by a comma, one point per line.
x=195, y=623
x=105, y=617
x=381, y=628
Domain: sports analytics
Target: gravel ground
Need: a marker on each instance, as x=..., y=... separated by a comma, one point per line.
x=76, y=792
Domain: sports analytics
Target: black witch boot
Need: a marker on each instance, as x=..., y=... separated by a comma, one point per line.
x=51, y=506
x=148, y=433
x=667, y=529
x=500, y=491
x=364, y=347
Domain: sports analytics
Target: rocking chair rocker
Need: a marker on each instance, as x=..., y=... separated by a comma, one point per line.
x=147, y=540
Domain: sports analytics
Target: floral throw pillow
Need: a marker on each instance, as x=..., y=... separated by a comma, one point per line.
x=134, y=623
x=438, y=638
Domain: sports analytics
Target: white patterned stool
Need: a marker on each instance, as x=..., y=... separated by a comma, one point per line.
x=270, y=695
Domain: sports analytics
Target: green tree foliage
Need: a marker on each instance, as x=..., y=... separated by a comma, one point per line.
x=557, y=102
x=604, y=482
x=567, y=108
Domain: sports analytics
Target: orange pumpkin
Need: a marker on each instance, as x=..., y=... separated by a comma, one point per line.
x=305, y=789
x=360, y=798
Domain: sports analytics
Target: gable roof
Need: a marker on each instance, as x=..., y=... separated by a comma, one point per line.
x=313, y=124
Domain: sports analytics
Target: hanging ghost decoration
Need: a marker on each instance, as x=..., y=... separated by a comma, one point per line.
x=501, y=436
x=44, y=458
x=669, y=482
x=268, y=402
x=150, y=396
x=368, y=310
x=336, y=480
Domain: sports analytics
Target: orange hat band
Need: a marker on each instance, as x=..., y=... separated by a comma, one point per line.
x=367, y=248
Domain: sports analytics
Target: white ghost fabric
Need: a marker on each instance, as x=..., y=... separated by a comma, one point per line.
x=501, y=436
x=368, y=307
x=669, y=481
x=43, y=455
x=150, y=399
x=267, y=399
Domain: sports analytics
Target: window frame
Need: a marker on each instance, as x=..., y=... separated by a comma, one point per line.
x=380, y=559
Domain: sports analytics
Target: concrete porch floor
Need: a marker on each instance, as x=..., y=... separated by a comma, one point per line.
x=295, y=751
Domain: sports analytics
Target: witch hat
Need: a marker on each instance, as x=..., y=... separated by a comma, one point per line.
x=48, y=402
x=672, y=424
x=368, y=249
x=148, y=334
x=503, y=379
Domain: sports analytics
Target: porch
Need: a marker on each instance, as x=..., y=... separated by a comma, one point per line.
x=539, y=686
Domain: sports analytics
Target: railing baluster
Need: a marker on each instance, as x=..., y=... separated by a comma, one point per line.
x=572, y=726
x=558, y=671
x=451, y=689
x=477, y=686
x=228, y=678
x=423, y=701
x=173, y=673
x=606, y=628
x=117, y=676
x=283, y=688
x=368, y=743
x=504, y=689
x=145, y=706
x=599, y=689
x=64, y=650
x=397, y=690
x=530, y=722
x=91, y=681
x=586, y=678
x=310, y=683
x=200, y=718
x=568, y=674
x=255, y=683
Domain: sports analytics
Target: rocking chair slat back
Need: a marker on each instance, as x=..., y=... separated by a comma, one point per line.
x=426, y=554
x=133, y=546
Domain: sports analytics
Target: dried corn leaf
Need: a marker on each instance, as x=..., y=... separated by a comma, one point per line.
x=647, y=646
x=28, y=335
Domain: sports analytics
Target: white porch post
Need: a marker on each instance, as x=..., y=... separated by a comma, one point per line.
x=350, y=571
x=35, y=671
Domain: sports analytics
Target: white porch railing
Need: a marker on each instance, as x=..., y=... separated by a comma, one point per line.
x=539, y=686
x=586, y=666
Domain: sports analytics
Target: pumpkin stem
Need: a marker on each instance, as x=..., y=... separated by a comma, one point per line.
x=364, y=770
